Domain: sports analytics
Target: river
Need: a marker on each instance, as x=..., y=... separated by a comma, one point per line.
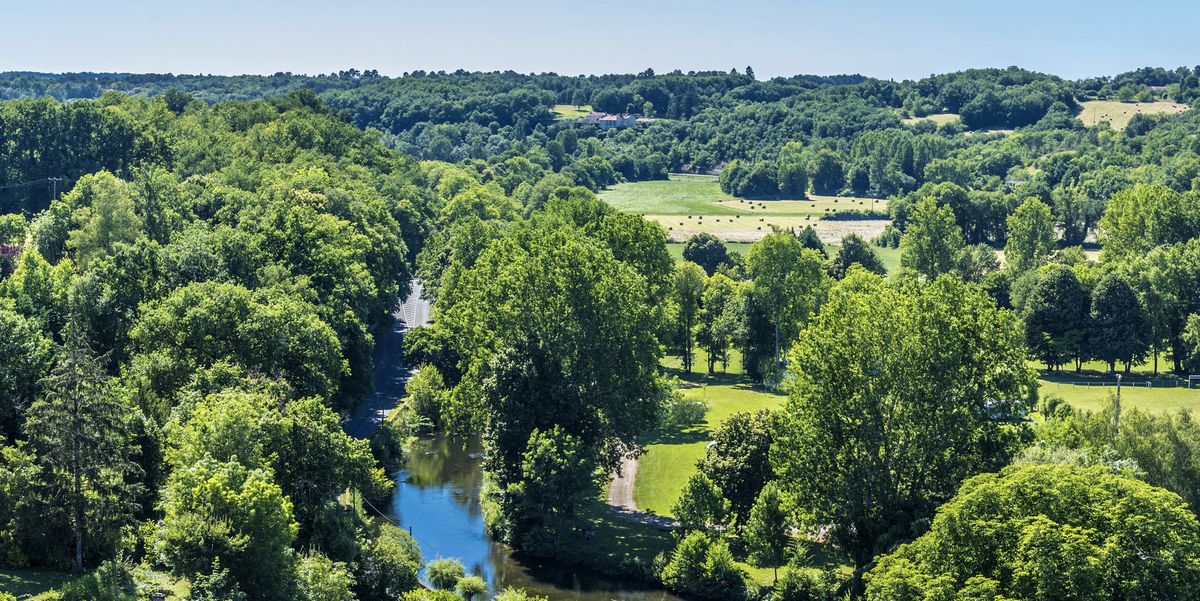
x=437, y=498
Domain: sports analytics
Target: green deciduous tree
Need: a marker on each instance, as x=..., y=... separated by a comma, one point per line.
x=932, y=364
x=719, y=319
x=28, y=357
x=688, y=292
x=225, y=512
x=792, y=170
x=1048, y=532
x=789, y=282
x=766, y=531
x=1118, y=327
x=470, y=587
x=828, y=176
x=104, y=219
x=700, y=505
x=738, y=460
x=554, y=331
x=932, y=241
x=1030, y=235
x=704, y=567
x=705, y=250
x=279, y=336
x=1056, y=318
x=445, y=573
x=855, y=251
x=320, y=579
x=1168, y=281
x=389, y=566
x=1145, y=216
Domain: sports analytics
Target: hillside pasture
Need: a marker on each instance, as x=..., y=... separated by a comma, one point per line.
x=1119, y=113
x=938, y=118
x=689, y=204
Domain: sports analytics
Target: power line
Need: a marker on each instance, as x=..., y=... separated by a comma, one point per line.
x=53, y=181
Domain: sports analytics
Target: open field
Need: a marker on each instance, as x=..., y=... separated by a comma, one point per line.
x=671, y=455
x=1092, y=389
x=1119, y=113
x=689, y=204
x=570, y=111
x=938, y=118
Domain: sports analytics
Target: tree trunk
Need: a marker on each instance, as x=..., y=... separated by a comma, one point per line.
x=776, y=339
x=77, y=488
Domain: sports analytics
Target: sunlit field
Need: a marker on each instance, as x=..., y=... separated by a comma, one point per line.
x=688, y=204
x=1119, y=113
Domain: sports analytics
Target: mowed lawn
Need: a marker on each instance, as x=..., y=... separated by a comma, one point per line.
x=1093, y=390
x=688, y=204
x=566, y=112
x=671, y=454
x=1119, y=113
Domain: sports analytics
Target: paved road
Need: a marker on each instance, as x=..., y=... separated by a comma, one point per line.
x=390, y=371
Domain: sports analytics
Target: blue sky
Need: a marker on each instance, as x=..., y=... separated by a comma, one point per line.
x=883, y=39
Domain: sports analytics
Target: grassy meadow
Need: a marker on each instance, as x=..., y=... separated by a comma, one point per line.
x=688, y=204
x=566, y=112
x=938, y=118
x=1119, y=113
x=1093, y=388
x=671, y=454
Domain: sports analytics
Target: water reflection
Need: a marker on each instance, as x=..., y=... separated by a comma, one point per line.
x=437, y=498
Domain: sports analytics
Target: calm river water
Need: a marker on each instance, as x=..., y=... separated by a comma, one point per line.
x=437, y=497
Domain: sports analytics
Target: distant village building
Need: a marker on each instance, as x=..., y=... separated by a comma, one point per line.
x=612, y=120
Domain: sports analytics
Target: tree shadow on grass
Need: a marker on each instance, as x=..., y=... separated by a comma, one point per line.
x=673, y=436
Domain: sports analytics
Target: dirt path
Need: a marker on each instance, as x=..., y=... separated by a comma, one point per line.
x=390, y=372
x=620, y=497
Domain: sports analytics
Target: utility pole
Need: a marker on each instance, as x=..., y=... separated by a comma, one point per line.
x=1117, y=410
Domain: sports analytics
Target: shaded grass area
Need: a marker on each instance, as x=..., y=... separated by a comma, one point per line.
x=671, y=454
x=31, y=583
x=43, y=585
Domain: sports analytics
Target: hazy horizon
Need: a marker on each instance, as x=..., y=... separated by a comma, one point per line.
x=1071, y=39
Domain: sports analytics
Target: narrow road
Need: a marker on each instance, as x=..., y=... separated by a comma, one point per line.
x=620, y=497
x=390, y=371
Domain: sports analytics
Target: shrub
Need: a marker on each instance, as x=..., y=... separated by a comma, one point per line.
x=388, y=566
x=217, y=585
x=112, y=581
x=320, y=579
x=445, y=573
x=470, y=587
x=703, y=566
x=679, y=411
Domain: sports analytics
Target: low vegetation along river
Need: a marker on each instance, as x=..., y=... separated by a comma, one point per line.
x=437, y=499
